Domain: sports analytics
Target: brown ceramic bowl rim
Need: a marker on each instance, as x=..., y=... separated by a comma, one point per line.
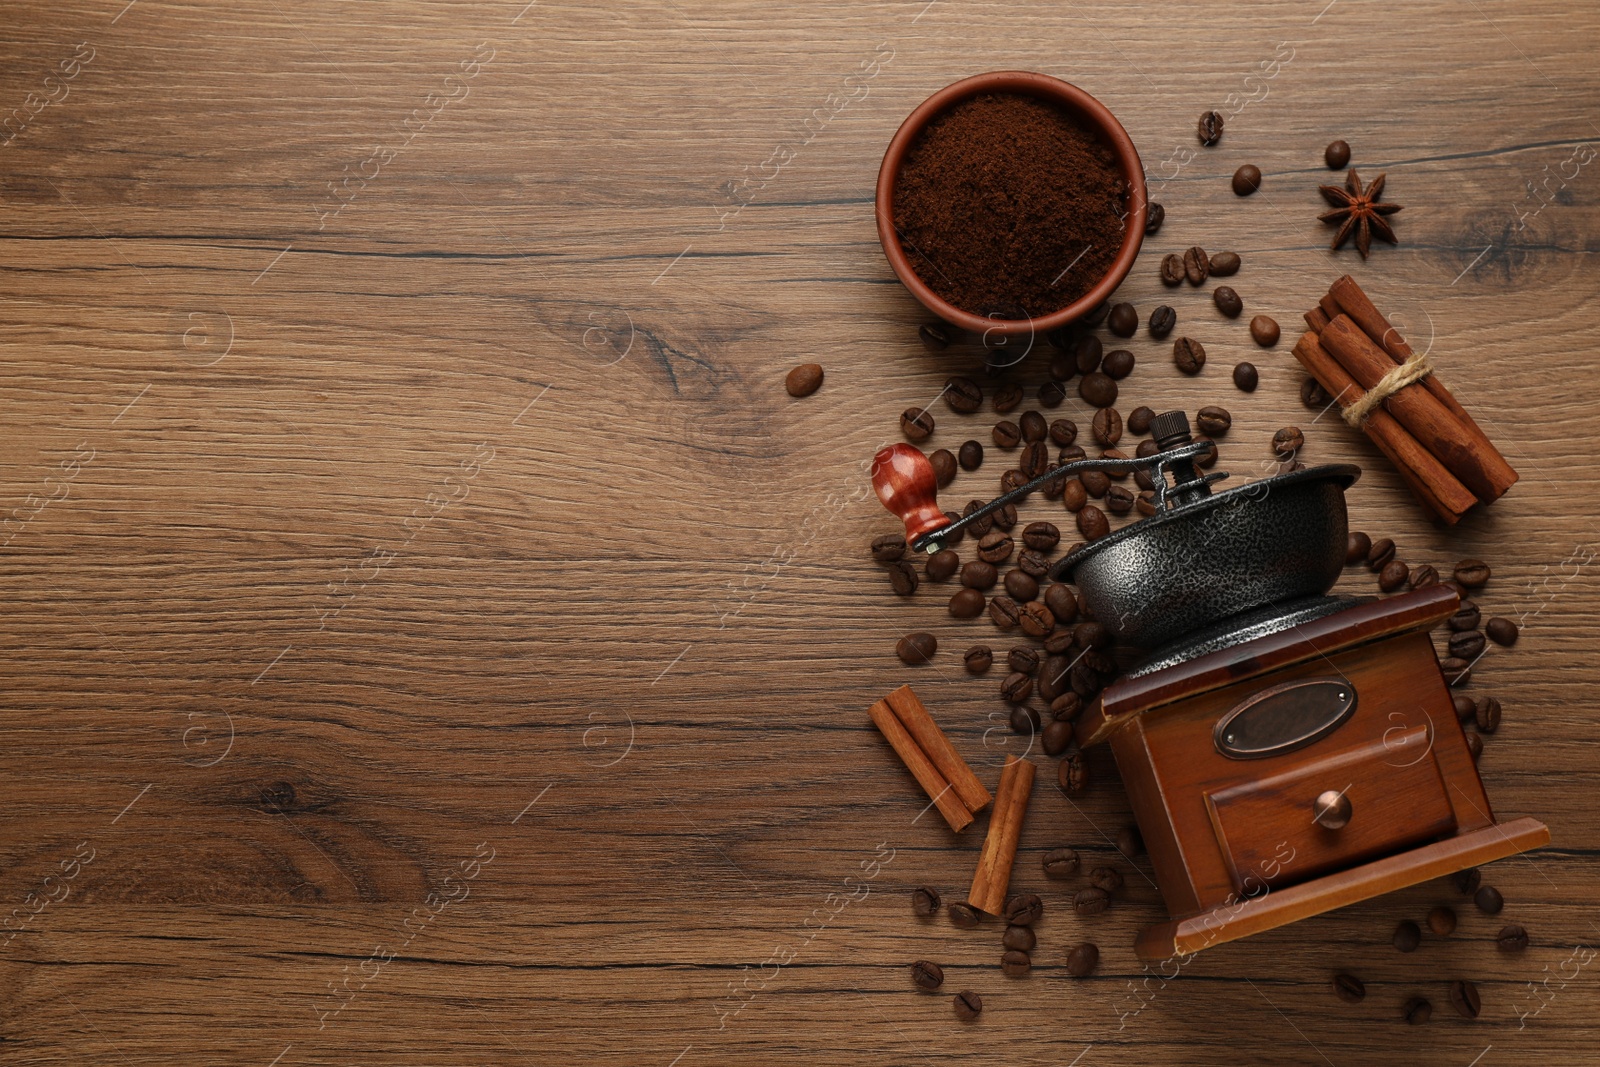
x=1056, y=91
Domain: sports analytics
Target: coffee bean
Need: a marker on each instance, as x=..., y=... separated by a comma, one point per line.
x=1091, y=634
x=1379, y=555
x=1012, y=479
x=1227, y=301
x=951, y=540
x=925, y=901
x=995, y=548
x=1072, y=774
x=1416, y=1011
x=1024, y=909
x=1017, y=687
x=978, y=527
x=1119, y=501
x=1098, y=390
x=1336, y=155
x=968, y=1005
x=1060, y=863
x=1487, y=715
x=1224, y=264
x=1021, y=587
x=804, y=380
x=1209, y=128
x=1246, y=180
x=1035, y=459
x=1007, y=397
x=1025, y=721
x=1456, y=671
x=1424, y=576
x=1139, y=419
x=1196, y=265
x=963, y=915
x=1466, y=644
x=966, y=604
x=963, y=394
x=1213, y=421
x=1264, y=331
x=1189, y=355
x=1442, y=921
x=1032, y=426
x=1107, y=426
x=1051, y=394
x=944, y=466
x=1019, y=939
x=1041, y=535
x=1091, y=901
x=1033, y=563
x=1501, y=631
x=979, y=574
x=1474, y=746
x=1074, y=495
x=1357, y=545
x=1467, y=881
x=1098, y=315
x=1037, y=620
x=1024, y=658
x=1246, y=377
x=888, y=548
x=1162, y=320
x=970, y=455
x=1465, y=1000
x=1004, y=612
x=941, y=565
x=927, y=975
x=1057, y=737
x=1122, y=321
x=1066, y=707
x=1207, y=459
x=1511, y=938
x=1092, y=523
x=1172, y=269
x=1005, y=518
x=1489, y=900
x=1312, y=395
x=1466, y=617
x=902, y=577
x=1106, y=878
x=935, y=335
x=1349, y=988
x=916, y=424
x=1465, y=708
x=1472, y=573
x=916, y=647
x=1154, y=217
x=1062, y=604
x=978, y=659
x=1288, y=441
x=1393, y=576
x=1006, y=434
x=1407, y=936
x=1063, y=431
x=1082, y=959
x=1118, y=364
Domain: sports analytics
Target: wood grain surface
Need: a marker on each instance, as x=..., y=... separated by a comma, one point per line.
x=433, y=635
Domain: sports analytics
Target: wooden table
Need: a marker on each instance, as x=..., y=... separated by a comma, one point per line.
x=433, y=635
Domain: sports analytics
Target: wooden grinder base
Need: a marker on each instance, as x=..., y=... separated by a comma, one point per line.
x=1235, y=843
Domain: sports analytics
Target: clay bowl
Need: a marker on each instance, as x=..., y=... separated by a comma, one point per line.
x=1093, y=114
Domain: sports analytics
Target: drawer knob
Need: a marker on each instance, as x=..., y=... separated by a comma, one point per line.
x=1331, y=809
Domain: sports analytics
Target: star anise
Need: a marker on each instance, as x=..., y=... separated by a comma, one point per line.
x=1358, y=212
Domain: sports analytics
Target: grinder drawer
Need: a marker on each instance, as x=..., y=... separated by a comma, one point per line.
x=1268, y=830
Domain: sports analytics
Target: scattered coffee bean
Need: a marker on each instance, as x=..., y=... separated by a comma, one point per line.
x=1246, y=377
x=1172, y=272
x=935, y=335
x=1004, y=612
x=925, y=901
x=1036, y=620
x=979, y=526
x=1060, y=863
x=1107, y=426
x=1474, y=746
x=1162, y=320
x=995, y=547
x=1357, y=545
x=1024, y=909
x=963, y=395
x=979, y=574
x=1072, y=773
x=1246, y=180
x=1021, y=586
x=1017, y=687
x=1465, y=708
x=1139, y=419
x=916, y=648
x=1035, y=460
x=1487, y=715
x=888, y=548
x=1033, y=563
x=1227, y=301
x=1025, y=721
x=1061, y=602
x=1189, y=355
x=1213, y=421
x=1224, y=264
x=1119, y=501
x=1041, y=535
x=1007, y=397
x=1393, y=576
x=1091, y=901
x=964, y=915
x=1407, y=936
x=941, y=565
x=1146, y=504
x=1106, y=878
x=953, y=539
x=1196, y=265
x=1264, y=331
x=1489, y=900
x=1312, y=395
x=1416, y=1011
x=1087, y=354
x=1083, y=959
x=1336, y=155
x=804, y=380
x=1014, y=964
x=916, y=424
x=1456, y=670
x=1074, y=494
x=1130, y=842
x=1287, y=441
x=1424, y=576
x=1207, y=459
x=1442, y=921
x=970, y=455
x=1063, y=432
x=1006, y=434
x=1349, y=988
x=1019, y=939
x=967, y=603
x=1098, y=315
x=1465, y=1000
x=1098, y=389
x=1511, y=938
x=1209, y=128
x=1012, y=479
x=968, y=1005
x=1123, y=320
x=1005, y=518
x=944, y=466
x=1379, y=555
x=1467, y=881
x=902, y=577
x=1466, y=643
x=1032, y=426
x=1051, y=394
x=978, y=659
x=1057, y=737
x=1501, y=631
x=1466, y=617
x=927, y=975
x=1092, y=522
x=1472, y=573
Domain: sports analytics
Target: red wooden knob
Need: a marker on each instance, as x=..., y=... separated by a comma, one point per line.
x=906, y=484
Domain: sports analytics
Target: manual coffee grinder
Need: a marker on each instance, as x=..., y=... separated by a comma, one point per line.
x=1286, y=752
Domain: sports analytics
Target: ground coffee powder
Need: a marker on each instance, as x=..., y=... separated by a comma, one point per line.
x=1008, y=207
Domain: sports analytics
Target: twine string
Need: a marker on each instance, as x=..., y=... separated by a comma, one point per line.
x=1412, y=370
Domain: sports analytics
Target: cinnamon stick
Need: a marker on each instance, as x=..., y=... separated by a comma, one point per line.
x=1329, y=306
x=993, y=876
x=920, y=725
x=1467, y=455
x=1439, y=491
x=1316, y=318
x=933, y=783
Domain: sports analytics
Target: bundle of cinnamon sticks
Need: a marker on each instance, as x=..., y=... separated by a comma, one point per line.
x=1447, y=460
